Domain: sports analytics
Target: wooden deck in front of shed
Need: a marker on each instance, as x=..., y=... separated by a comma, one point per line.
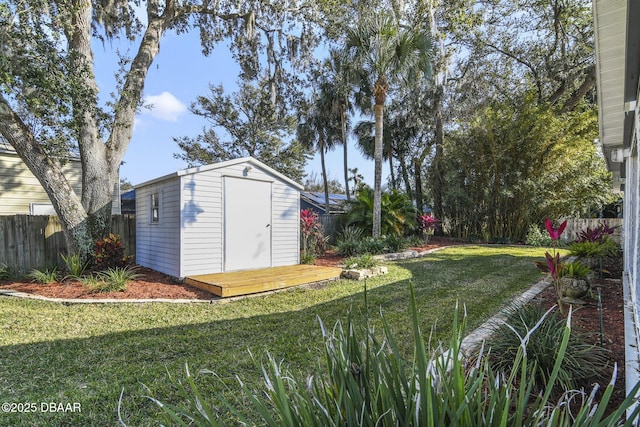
x=266, y=279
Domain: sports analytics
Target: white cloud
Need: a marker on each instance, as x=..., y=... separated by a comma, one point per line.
x=164, y=107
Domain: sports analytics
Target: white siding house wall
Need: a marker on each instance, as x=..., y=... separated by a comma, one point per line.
x=193, y=214
x=631, y=276
x=158, y=244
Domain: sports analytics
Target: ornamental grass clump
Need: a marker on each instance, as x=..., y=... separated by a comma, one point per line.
x=113, y=279
x=74, y=266
x=366, y=380
x=582, y=361
x=45, y=276
x=5, y=273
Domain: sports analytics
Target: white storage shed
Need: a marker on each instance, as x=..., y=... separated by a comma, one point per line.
x=234, y=215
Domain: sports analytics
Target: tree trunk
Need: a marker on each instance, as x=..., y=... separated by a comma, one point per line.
x=377, y=156
x=97, y=181
x=66, y=202
x=86, y=218
x=438, y=172
x=405, y=176
x=345, y=147
x=417, y=176
x=325, y=181
x=392, y=173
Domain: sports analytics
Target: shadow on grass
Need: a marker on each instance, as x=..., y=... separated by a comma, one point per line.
x=93, y=371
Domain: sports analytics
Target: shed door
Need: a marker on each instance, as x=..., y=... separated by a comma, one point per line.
x=247, y=224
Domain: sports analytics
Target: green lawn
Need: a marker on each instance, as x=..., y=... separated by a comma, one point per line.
x=87, y=354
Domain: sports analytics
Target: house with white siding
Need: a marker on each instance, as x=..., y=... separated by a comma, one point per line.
x=234, y=215
x=617, y=43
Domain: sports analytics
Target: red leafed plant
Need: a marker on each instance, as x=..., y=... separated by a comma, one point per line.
x=597, y=234
x=109, y=253
x=313, y=241
x=427, y=222
x=553, y=260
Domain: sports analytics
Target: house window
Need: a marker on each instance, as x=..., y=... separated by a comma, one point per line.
x=155, y=207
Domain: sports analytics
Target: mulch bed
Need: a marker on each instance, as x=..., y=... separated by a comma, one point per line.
x=153, y=285
x=586, y=319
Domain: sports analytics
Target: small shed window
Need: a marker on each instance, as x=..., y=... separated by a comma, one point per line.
x=155, y=207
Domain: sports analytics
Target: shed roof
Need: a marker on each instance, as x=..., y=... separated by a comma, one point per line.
x=221, y=165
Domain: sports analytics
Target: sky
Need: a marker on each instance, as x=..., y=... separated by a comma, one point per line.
x=178, y=75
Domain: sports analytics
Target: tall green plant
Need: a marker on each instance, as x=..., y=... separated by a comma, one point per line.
x=516, y=162
x=398, y=212
x=368, y=381
x=386, y=51
x=74, y=265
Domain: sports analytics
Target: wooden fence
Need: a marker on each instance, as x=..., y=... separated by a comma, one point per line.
x=35, y=241
x=329, y=225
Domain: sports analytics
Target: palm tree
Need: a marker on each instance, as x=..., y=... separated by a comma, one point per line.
x=364, y=131
x=340, y=76
x=317, y=130
x=388, y=53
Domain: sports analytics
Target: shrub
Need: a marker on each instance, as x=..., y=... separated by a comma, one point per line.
x=415, y=241
x=307, y=258
x=350, y=241
x=371, y=245
x=535, y=237
x=48, y=275
x=427, y=223
x=610, y=248
x=581, y=361
x=113, y=279
x=398, y=213
x=109, y=253
x=313, y=240
x=394, y=243
x=368, y=381
x=362, y=261
x=587, y=249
